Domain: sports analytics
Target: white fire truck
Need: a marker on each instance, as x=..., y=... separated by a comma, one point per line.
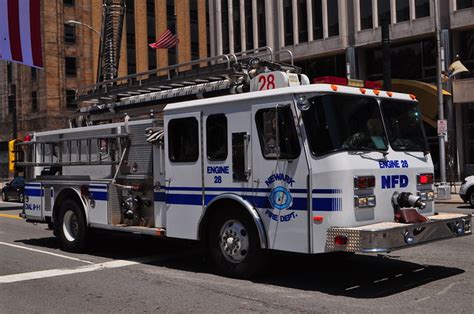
x=244, y=155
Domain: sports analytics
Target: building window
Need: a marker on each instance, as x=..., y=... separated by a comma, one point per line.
x=468, y=119
x=415, y=61
x=12, y=101
x=366, y=14
x=248, y=24
x=325, y=66
x=150, y=21
x=422, y=8
x=236, y=25
x=208, y=30
x=130, y=31
x=464, y=4
x=466, y=52
x=302, y=21
x=71, y=67
x=333, y=18
x=262, y=29
x=403, y=10
x=193, y=13
x=34, y=101
x=216, y=132
x=33, y=74
x=69, y=34
x=183, y=140
x=225, y=28
x=171, y=20
x=9, y=73
x=383, y=7
x=71, y=99
x=69, y=3
x=288, y=22
x=317, y=19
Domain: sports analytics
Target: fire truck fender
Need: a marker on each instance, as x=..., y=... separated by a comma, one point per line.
x=70, y=193
x=236, y=200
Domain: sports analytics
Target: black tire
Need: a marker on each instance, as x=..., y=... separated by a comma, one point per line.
x=4, y=197
x=470, y=196
x=243, y=257
x=71, y=227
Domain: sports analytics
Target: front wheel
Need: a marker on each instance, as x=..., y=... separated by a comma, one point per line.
x=4, y=197
x=470, y=196
x=234, y=243
x=72, y=229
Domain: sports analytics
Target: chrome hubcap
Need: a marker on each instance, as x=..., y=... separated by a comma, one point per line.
x=70, y=226
x=234, y=242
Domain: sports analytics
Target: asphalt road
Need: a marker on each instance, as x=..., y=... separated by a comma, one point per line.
x=135, y=274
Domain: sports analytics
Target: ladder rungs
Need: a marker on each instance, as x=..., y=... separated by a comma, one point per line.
x=62, y=140
x=82, y=163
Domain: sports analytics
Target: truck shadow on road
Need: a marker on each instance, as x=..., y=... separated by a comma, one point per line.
x=356, y=276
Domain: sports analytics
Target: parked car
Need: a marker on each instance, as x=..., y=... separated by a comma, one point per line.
x=14, y=190
x=467, y=190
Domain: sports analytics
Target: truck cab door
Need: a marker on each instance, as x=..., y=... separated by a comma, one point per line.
x=227, y=168
x=183, y=167
x=280, y=174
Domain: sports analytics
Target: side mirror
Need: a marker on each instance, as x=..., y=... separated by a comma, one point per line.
x=7, y=184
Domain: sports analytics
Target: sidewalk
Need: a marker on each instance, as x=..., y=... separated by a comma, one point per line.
x=455, y=199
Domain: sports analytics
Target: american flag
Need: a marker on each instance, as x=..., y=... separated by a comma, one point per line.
x=165, y=41
x=20, y=32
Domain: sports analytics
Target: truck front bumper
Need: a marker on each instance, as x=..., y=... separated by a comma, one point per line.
x=389, y=236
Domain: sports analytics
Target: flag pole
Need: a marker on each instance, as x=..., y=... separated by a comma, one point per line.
x=175, y=29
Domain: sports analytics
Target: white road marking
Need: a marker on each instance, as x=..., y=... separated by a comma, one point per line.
x=352, y=288
x=65, y=271
x=46, y=252
x=420, y=300
x=398, y=275
x=76, y=270
x=380, y=280
x=417, y=270
x=447, y=288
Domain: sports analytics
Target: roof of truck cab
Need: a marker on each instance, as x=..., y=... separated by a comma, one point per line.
x=312, y=88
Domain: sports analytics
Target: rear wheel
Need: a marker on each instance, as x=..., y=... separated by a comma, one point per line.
x=234, y=243
x=470, y=196
x=71, y=228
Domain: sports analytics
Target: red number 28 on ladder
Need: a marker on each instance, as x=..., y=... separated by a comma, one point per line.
x=266, y=82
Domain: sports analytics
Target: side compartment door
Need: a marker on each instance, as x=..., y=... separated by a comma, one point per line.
x=184, y=178
x=34, y=201
x=280, y=175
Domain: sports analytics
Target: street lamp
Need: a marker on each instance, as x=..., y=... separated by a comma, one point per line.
x=443, y=192
x=73, y=22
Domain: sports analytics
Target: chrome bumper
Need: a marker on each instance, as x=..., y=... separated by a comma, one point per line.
x=390, y=236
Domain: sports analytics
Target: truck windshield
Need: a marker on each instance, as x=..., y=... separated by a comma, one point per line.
x=342, y=122
x=404, y=126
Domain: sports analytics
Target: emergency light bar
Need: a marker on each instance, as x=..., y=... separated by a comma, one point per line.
x=346, y=82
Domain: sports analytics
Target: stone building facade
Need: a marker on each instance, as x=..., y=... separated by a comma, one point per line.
x=43, y=98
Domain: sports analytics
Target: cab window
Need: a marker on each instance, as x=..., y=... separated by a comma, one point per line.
x=183, y=140
x=277, y=133
x=216, y=134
